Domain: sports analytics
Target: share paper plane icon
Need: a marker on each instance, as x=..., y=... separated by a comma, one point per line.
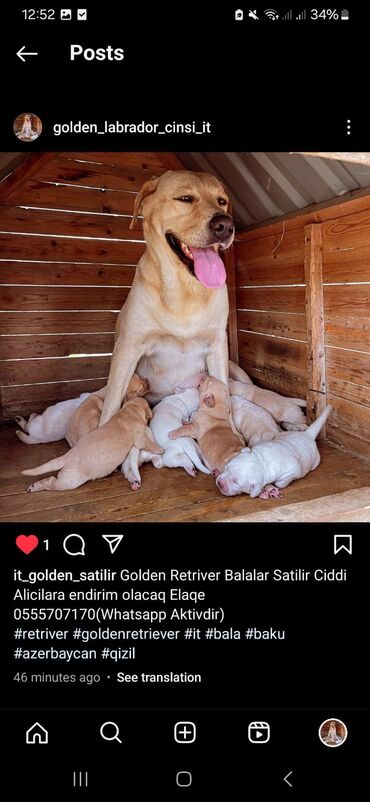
x=113, y=541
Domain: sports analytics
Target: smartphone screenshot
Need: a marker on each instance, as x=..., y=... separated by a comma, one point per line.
x=185, y=401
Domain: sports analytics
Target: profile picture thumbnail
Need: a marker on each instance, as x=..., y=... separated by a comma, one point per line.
x=333, y=732
x=27, y=127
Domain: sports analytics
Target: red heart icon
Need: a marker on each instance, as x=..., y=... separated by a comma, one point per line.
x=27, y=543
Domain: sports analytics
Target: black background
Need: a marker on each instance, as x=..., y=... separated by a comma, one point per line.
x=318, y=672
x=264, y=85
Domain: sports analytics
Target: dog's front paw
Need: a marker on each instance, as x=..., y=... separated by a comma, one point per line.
x=135, y=485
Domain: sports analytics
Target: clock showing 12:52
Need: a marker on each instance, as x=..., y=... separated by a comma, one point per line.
x=38, y=13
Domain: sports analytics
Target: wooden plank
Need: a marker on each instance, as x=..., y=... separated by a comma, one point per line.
x=170, y=160
x=232, y=327
x=111, y=500
x=350, y=443
x=36, y=221
x=272, y=299
x=57, y=322
x=50, y=298
x=316, y=375
x=24, y=399
x=348, y=332
x=143, y=160
x=346, y=266
x=22, y=172
x=31, y=347
x=352, y=231
x=349, y=425
x=66, y=273
x=350, y=392
x=276, y=323
x=40, y=193
x=281, y=273
x=350, y=299
x=64, y=171
x=31, y=371
x=351, y=366
x=279, y=362
x=357, y=200
x=280, y=247
x=16, y=246
x=350, y=417
x=352, y=505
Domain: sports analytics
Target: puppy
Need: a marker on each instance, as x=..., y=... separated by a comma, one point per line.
x=99, y=453
x=86, y=418
x=211, y=428
x=183, y=453
x=280, y=407
x=52, y=425
x=291, y=455
x=254, y=423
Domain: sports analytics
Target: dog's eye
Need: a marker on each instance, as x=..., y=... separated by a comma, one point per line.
x=186, y=198
x=222, y=202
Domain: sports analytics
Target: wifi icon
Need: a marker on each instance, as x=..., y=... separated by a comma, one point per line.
x=271, y=13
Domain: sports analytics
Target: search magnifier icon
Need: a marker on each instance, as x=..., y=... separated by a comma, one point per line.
x=110, y=731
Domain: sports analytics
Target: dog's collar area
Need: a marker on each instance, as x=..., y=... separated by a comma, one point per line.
x=177, y=249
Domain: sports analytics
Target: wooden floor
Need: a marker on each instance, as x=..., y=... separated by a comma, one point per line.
x=172, y=495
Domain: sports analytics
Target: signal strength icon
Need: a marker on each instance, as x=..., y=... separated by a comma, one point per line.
x=271, y=13
x=288, y=15
x=302, y=15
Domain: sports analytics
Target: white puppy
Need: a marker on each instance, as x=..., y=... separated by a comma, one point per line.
x=254, y=423
x=52, y=424
x=291, y=455
x=279, y=406
x=182, y=453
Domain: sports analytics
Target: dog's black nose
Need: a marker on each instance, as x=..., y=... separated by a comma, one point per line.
x=222, y=226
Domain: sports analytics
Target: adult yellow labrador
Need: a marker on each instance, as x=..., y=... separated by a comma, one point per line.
x=173, y=323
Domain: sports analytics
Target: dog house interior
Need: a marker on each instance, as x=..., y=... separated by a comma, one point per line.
x=299, y=324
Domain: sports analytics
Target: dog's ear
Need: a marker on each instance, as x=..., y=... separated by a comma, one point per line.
x=209, y=400
x=147, y=189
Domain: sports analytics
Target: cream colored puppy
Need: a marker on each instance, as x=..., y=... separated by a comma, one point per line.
x=254, y=423
x=101, y=451
x=86, y=418
x=52, y=424
x=210, y=426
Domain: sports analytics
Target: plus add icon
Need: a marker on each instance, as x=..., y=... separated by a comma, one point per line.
x=185, y=732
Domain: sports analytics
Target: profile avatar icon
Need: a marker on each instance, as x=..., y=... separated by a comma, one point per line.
x=27, y=127
x=333, y=732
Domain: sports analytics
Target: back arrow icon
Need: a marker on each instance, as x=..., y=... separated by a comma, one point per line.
x=286, y=779
x=22, y=52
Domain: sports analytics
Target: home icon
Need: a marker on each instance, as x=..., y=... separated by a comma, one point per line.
x=37, y=734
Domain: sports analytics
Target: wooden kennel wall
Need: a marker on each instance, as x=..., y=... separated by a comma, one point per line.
x=303, y=313
x=299, y=289
x=67, y=261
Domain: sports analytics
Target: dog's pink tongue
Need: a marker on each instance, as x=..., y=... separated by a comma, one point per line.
x=209, y=267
